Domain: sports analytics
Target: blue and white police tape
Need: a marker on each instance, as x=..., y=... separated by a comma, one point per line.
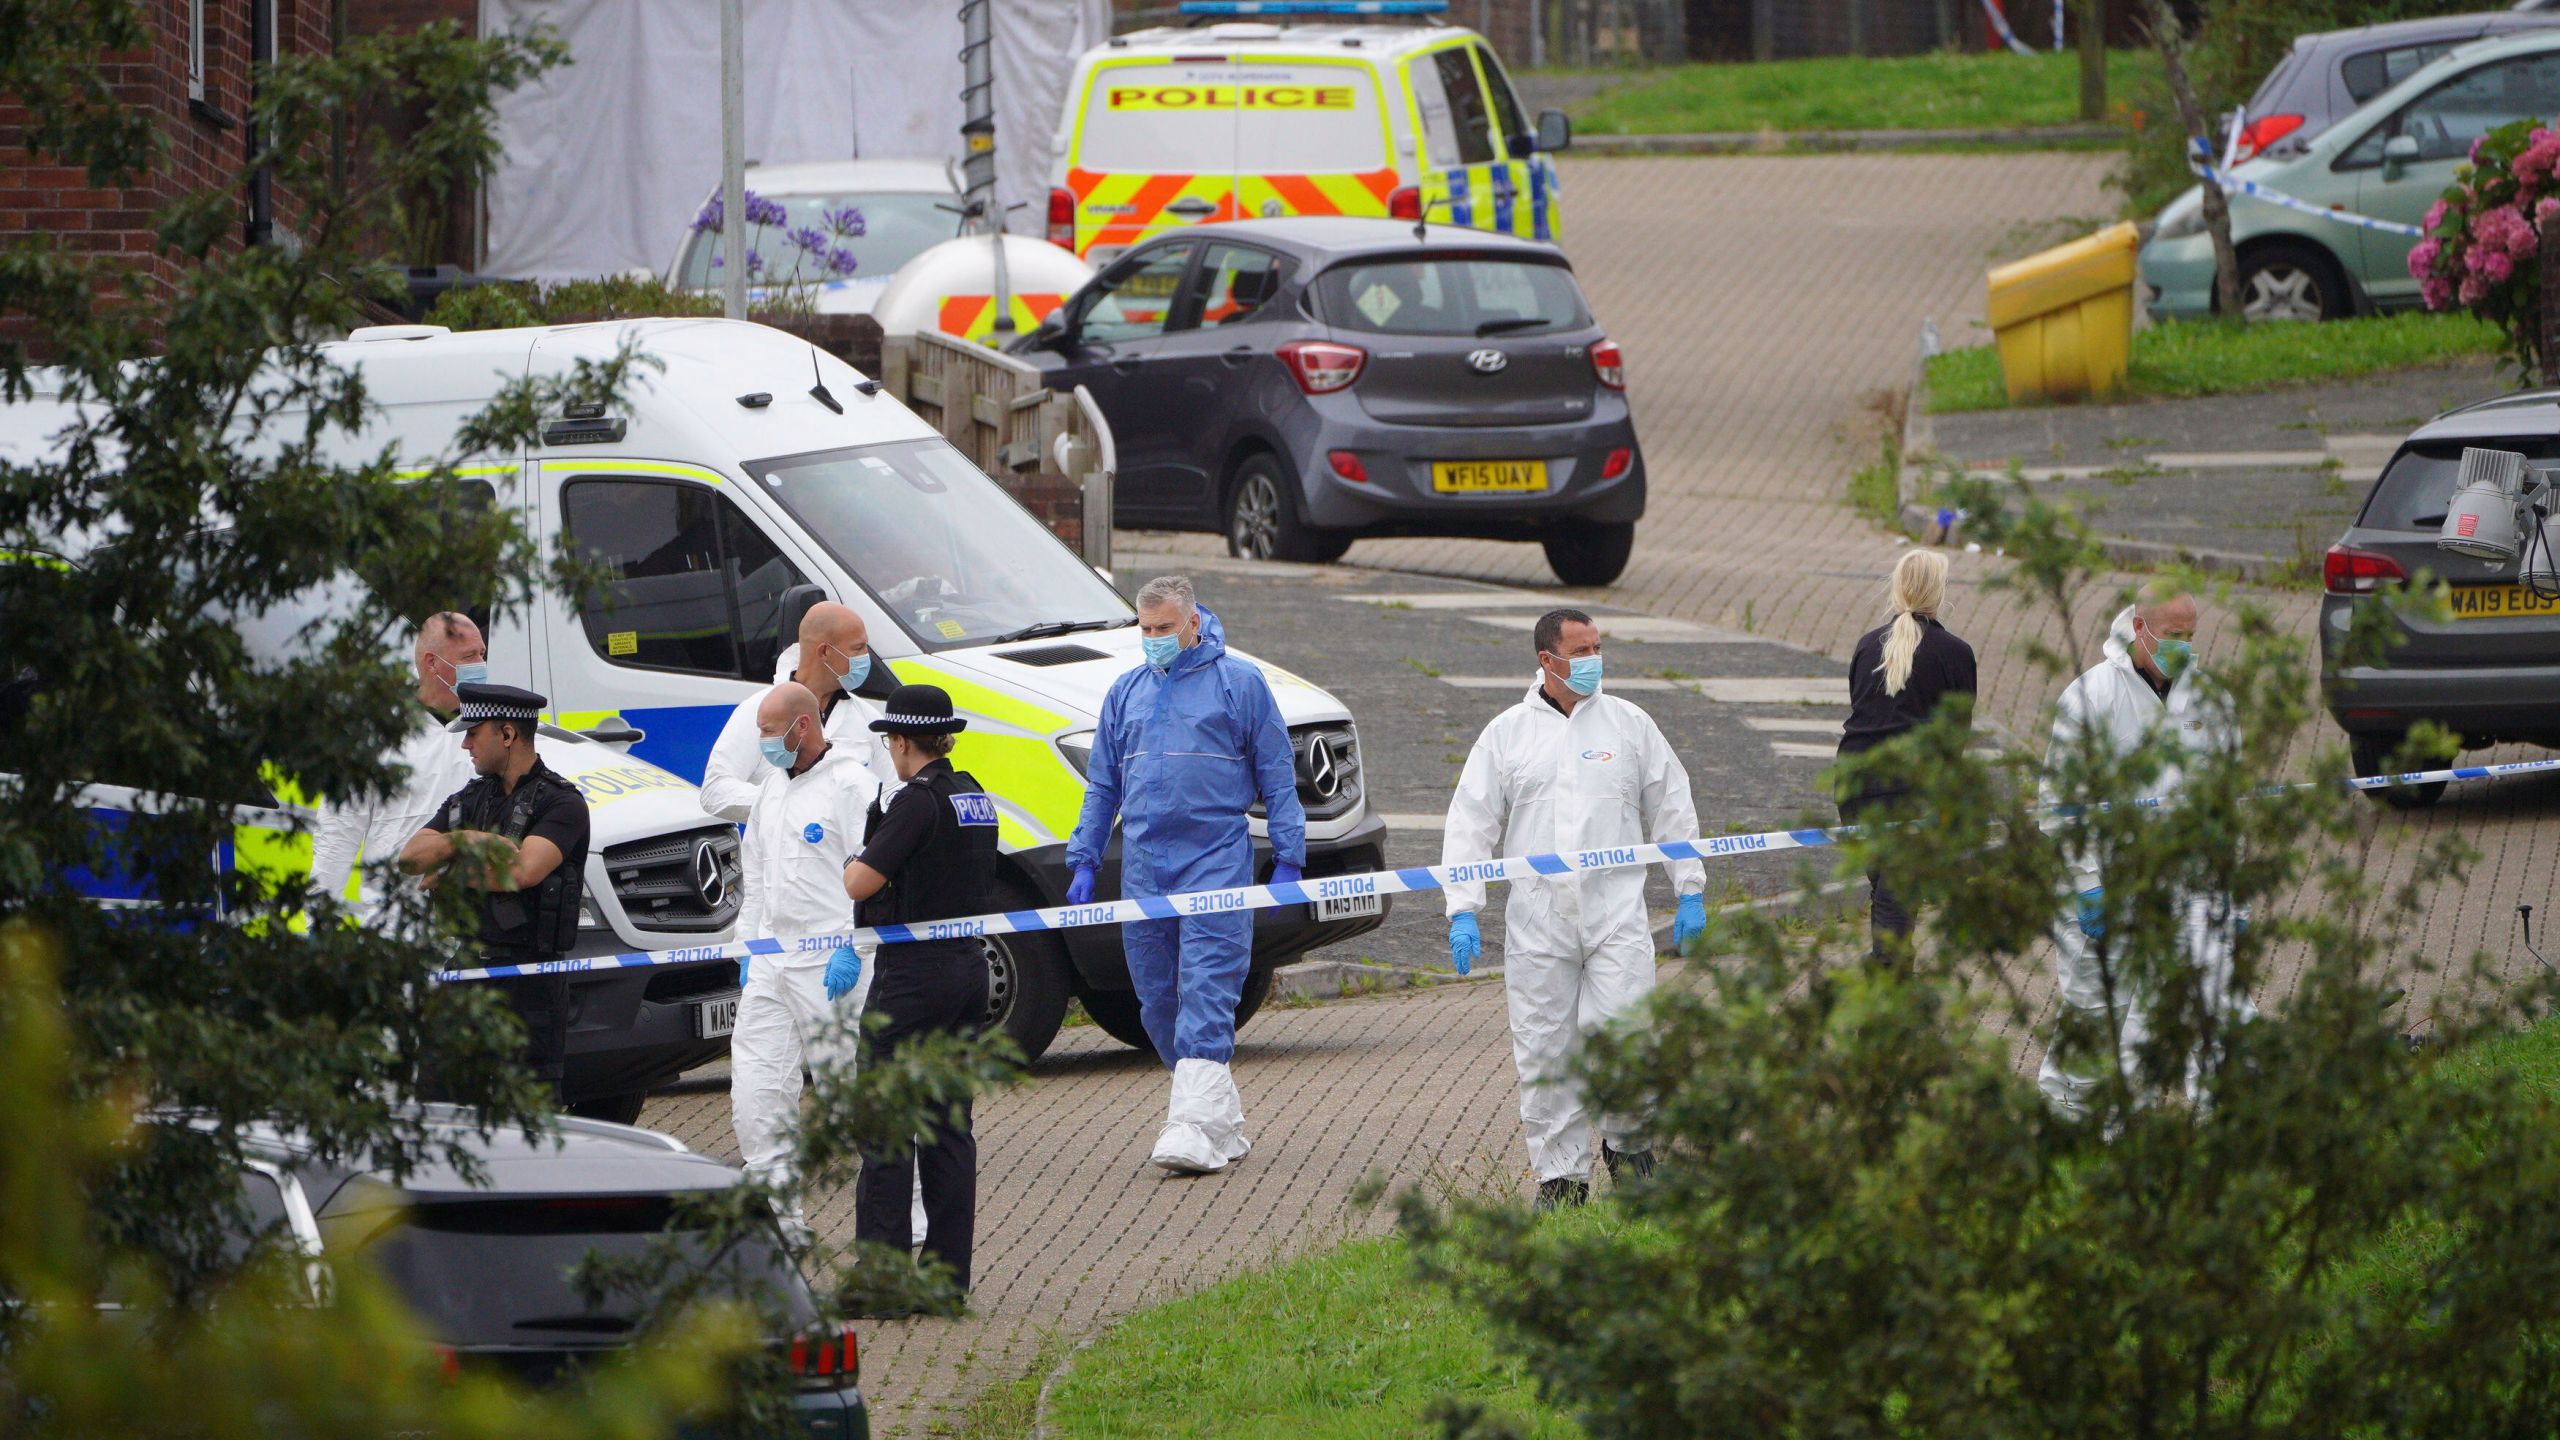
x=1408, y=880
x=2000, y=23
x=2231, y=184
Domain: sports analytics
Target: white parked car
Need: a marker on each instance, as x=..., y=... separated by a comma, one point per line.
x=907, y=208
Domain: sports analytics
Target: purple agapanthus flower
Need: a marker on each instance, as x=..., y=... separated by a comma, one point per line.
x=840, y=261
x=761, y=211
x=847, y=223
x=812, y=239
x=708, y=217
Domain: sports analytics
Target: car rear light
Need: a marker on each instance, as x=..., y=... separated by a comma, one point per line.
x=825, y=1362
x=1609, y=365
x=1618, y=463
x=1062, y=218
x=2262, y=132
x=1321, y=367
x=1348, y=466
x=2347, y=571
x=1404, y=203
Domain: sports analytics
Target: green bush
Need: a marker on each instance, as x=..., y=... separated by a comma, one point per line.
x=509, y=304
x=2235, y=48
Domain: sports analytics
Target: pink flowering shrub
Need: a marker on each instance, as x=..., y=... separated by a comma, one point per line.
x=2480, y=242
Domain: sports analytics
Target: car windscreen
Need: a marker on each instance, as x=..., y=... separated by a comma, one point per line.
x=938, y=544
x=1279, y=119
x=496, y=1272
x=2417, y=486
x=1435, y=295
x=896, y=228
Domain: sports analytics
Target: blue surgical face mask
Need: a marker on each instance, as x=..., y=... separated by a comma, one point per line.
x=475, y=673
x=1161, y=650
x=777, y=751
x=1582, y=674
x=857, y=672
x=2172, y=656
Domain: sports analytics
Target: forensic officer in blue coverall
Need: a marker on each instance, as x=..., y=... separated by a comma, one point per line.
x=1188, y=741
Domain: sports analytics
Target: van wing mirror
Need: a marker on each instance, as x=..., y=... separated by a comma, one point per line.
x=796, y=604
x=1555, y=131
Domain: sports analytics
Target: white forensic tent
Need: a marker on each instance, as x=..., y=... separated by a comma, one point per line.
x=606, y=159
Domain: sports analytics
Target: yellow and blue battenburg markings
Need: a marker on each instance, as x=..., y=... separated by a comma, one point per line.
x=1359, y=885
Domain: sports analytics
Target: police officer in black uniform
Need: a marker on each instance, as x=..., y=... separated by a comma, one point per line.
x=529, y=912
x=929, y=854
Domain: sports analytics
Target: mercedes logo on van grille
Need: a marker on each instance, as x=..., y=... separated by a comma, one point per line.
x=1487, y=361
x=708, y=878
x=1324, y=769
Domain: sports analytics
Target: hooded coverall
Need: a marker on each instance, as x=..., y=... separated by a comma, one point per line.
x=800, y=832
x=1180, y=755
x=735, y=768
x=2113, y=702
x=1577, y=948
x=359, y=829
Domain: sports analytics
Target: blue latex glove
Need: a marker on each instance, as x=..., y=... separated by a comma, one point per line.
x=1080, y=889
x=1466, y=942
x=742, y=970
x=1690, y=923
x=2093, y=912
x=1284, y=873
x=844, y=971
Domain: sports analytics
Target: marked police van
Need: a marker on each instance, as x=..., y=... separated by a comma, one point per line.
x=660, y=875
x=750, y=475
x=1183, y=126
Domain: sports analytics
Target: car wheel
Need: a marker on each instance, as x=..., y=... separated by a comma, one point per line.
x=1026, y=981
x=1262, y=516
x=621, y=1109
x=2372, y=756
x=1116, y=1011
x=2286, y=281
x=1590, y=554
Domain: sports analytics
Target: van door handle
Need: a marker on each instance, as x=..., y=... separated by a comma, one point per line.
x=1237, y=356
x=614, y=730
x=1126, y=365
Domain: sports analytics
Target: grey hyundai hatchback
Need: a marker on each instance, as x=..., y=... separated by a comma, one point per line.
x=2492, y=672
x=1299, y=383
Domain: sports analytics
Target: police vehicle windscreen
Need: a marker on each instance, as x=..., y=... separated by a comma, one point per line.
x=938, y=545
x=896, y=228
x=1284, y=119
x=1432, y=296
x=496, y=1272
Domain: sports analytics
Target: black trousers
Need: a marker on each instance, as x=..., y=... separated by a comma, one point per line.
x=924, y=990
x=542, y=1003
x=1886, y=915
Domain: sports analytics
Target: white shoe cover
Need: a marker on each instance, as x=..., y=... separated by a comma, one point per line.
x=1205, y=1099
x=1184, y=1150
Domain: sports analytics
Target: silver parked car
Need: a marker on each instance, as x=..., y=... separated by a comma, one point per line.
x=2327, y=76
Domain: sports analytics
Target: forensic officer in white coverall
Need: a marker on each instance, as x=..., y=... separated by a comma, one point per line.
x=2143, y=685
x=449, y=652
x=832, y=660
x=806, y=822
x=1570, y=768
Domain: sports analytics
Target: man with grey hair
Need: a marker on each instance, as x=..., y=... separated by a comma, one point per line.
x=2142, y=689
x=1188, y=742
x=351, y=829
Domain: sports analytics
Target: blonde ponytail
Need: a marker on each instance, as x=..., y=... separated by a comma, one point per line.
x=1919, y=586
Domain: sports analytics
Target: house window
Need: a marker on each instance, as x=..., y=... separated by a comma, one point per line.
x=195, y=49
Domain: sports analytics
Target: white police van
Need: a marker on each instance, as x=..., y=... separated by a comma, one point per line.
x=749, y=475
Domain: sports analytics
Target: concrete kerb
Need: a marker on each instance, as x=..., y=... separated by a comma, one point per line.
x=1776, y=142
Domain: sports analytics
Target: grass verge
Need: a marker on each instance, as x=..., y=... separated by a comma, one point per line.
x=1942, y=90
x=1875, y=490
x=2182, y=359
x=1343, y=1343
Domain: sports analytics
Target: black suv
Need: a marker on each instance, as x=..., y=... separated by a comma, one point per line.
x=484, y=1266
x=1299, y=383
x=2492, y=672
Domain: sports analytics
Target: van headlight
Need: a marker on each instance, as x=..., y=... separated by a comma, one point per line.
x=1077, y=747
x=2183, y=218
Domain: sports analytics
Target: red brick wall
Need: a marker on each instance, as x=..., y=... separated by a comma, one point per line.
x=1053, y=500
x=199, y=150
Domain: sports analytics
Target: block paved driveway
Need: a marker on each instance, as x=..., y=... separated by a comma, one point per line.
x=1763, y=303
